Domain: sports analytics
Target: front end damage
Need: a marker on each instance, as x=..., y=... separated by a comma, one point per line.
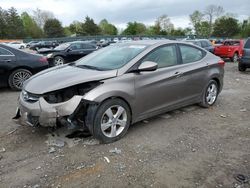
x=65, y=106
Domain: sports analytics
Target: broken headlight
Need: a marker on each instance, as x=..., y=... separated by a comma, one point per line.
x=66, y=94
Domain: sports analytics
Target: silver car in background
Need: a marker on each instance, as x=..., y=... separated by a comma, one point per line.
x=119, y=85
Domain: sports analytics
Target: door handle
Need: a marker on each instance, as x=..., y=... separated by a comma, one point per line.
x=178, y=74
x=7, y=60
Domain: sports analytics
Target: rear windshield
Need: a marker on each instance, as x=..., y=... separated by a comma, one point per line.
x=247, y=45
x=232, y=43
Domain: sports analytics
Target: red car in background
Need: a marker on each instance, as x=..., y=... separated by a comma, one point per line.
x=230, y=49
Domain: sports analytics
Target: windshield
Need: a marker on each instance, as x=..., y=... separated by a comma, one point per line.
x=110, y=58
x=62, y=46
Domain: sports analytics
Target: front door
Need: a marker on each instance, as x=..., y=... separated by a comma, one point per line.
x=161, y=88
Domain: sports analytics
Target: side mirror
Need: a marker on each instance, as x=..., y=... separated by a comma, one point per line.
x=148, y=66
x=69, y=50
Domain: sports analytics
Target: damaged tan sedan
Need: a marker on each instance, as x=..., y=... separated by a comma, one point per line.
x=116, y=86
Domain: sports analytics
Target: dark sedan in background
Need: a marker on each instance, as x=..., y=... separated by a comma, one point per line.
x=204, y=43
x=68, y=52
x=17, y=66
x=44, y=44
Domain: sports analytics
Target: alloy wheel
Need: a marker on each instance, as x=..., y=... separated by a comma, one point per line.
x=212, y=92
x=58, y=61
x=113, y=121
x=19, y=78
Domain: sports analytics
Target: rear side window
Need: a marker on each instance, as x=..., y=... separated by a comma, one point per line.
x=198, y=43
x=190, y=54
x=247, y=45
x=4, y=52
x=205, y=43
x=88, y=46
x=76, y=46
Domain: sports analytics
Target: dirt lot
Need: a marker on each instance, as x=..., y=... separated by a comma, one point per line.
x=190, y=147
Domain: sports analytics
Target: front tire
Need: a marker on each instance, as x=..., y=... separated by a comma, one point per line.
x=58, y=60
x=241, y=67
x=17, y=78
x=210, y=94
x=112, y=120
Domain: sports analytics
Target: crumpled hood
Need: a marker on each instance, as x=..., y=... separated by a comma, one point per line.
x=62, y=77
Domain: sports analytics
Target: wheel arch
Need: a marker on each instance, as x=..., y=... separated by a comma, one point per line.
x=217, y=81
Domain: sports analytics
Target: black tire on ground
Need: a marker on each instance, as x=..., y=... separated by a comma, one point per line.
x=17, y=77
x=100, y=113
x=58, y=60
x=235, y=58
x=204, y=103
x=241, y=67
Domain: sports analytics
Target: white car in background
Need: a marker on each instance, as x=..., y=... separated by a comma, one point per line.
x=18, y=45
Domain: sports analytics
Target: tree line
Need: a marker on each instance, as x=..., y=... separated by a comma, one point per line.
x=212, y=21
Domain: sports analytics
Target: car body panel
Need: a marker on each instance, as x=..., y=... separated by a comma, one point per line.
x=146, y=93
x=245, y=59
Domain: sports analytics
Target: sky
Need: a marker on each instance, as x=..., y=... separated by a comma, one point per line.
x=120, y=12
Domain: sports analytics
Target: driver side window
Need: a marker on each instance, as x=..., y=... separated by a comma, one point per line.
x=76, y=46
x=164, y=56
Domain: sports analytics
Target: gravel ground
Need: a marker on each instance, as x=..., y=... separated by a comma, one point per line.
x=189, y=147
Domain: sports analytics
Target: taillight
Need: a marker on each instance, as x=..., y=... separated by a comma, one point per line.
x=43, y=60
x=221, y=62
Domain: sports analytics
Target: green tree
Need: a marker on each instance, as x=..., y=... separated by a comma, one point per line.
x=135, y=28
x=212, y=12
x=226, y=27
x=177, y=32
x=245, y=28
x=15, y=26
x=107, y=28
x=196, y=18
x=3, y=23
x=163, y=25
x=89, y=27
x=41, y=16
x=53, y=28
x=76, y=28
x=67, y=31
x=32, y=30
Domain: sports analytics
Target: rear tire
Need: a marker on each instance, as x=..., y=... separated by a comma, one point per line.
x=210, y=94
x=17, y=78
x=58, y=60
x=235, y=58
x=111, y=121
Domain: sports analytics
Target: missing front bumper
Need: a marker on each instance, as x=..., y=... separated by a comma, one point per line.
x=45, y=114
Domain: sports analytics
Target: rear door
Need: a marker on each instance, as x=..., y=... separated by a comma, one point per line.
x=7, y=60
x=88, y=48
x=194, y=69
